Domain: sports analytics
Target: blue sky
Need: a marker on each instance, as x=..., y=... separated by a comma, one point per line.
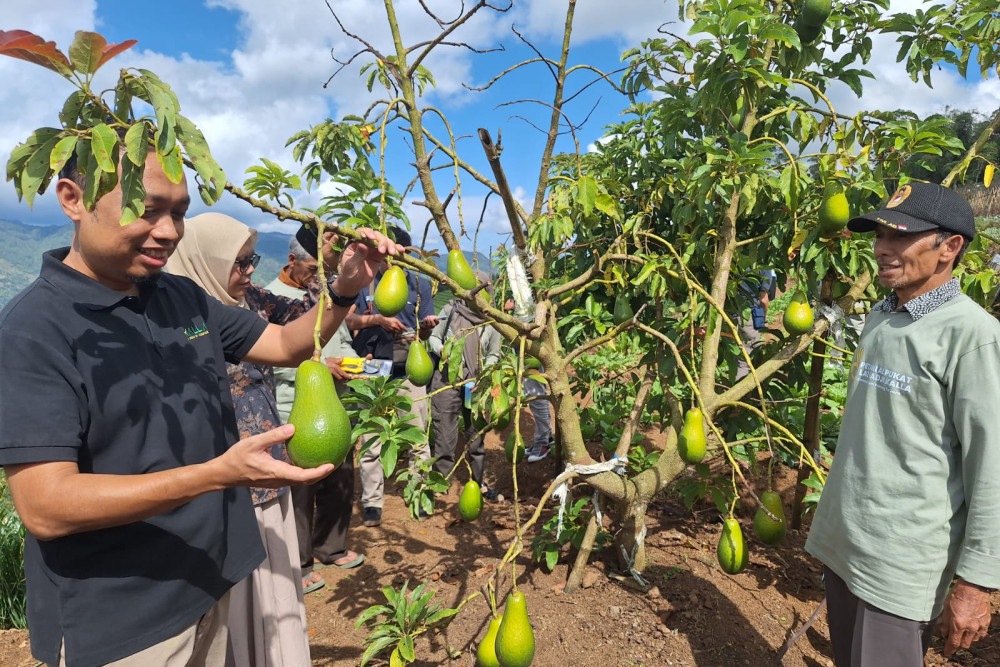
x=250, y=73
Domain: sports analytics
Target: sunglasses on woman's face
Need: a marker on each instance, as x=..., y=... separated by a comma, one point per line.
x=244, y=264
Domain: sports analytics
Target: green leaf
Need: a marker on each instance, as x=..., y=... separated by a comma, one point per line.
x=606, y=204
x=90, y=50
x=37, y=173
x=405, y=649
x=587, y=193
x=62, y=152
x=371, y=613
x=85, y=51
x=551, y=559
x=104, y=144
x=173, y=164
x=137, y=143
x=72, y=107
x=133, y=192
x=375, y=648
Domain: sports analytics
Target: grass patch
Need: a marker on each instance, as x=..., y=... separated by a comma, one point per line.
x=12, y=584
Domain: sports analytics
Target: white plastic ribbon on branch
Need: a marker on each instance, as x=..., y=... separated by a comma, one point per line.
x=520, y=287
x=561, y=494
x=835, y=316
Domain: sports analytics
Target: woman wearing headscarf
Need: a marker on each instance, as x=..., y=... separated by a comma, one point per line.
x=267, y=623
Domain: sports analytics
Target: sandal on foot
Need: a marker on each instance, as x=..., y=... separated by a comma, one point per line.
x=313, y=585
x=358, y=559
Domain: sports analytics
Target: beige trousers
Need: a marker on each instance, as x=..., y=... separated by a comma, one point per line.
x=372, y=475
x=200, y=645
x=267, y=617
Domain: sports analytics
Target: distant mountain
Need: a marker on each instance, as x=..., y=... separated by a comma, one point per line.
x=22, y=246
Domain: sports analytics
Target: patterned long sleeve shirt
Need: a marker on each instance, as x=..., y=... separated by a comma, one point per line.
x=252, y=386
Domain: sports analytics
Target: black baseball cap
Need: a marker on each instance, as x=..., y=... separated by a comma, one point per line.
x=921, y=207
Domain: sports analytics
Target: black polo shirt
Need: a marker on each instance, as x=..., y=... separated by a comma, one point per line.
x=125, y=385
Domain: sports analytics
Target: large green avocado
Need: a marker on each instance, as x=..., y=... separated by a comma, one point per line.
x=322, y=428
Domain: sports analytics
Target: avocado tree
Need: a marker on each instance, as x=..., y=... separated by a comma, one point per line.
x=728, y=151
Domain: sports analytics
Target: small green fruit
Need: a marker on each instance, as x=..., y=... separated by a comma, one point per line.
x=798, y=317
x=515, y=443
x=767, y=529
x=623, y=310
x=459, y=270
x=486, y=654
x=419, y=367
x=322, y=428
x=515, y=643
x=732, y=551
x=834, y=212
x=691, y=444
x=391, y=293
x=470, y=503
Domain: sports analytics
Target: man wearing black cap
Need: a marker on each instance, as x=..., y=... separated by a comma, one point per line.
x=909, y=523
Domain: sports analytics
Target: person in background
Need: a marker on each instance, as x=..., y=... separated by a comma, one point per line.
x=758, y=290
x=537, y=393
x=908, y=526
x=389, y=338
x=322, y=510
x=480, y=348
x=138, y=431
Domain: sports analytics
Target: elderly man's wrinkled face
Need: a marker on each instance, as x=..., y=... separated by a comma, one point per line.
x=301, y=270
x=913, y=263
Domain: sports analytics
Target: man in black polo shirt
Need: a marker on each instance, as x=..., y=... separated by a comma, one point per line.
x=119, y=441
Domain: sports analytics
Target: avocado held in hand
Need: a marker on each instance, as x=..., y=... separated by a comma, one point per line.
x=391, y=293
x=322, y=428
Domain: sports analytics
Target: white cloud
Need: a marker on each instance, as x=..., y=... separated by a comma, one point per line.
x=250, y=101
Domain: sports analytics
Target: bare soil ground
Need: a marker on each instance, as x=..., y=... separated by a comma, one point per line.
x=693, y=614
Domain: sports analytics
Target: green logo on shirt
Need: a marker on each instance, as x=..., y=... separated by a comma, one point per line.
x=196, y=331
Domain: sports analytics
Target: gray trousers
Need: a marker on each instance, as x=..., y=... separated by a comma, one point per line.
x=323, y=515
x=372, y=474
x=446, y=408
x=539, y=411
x=865, y=636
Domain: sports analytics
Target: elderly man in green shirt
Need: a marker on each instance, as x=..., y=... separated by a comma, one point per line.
x=909, y=523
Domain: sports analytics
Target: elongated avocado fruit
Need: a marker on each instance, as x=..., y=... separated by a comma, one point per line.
x=732, y=551
x=807, y=33
x=322, y=429
x=391, y=293
x=814, y=13
x=623, y=310
x=515, y=643
x=470, y=503
x=459, y=270
x=767, y=529
x=798, y=317
x=515, y=443
x=419, y=367
x=486, y=654
x=691, y=444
